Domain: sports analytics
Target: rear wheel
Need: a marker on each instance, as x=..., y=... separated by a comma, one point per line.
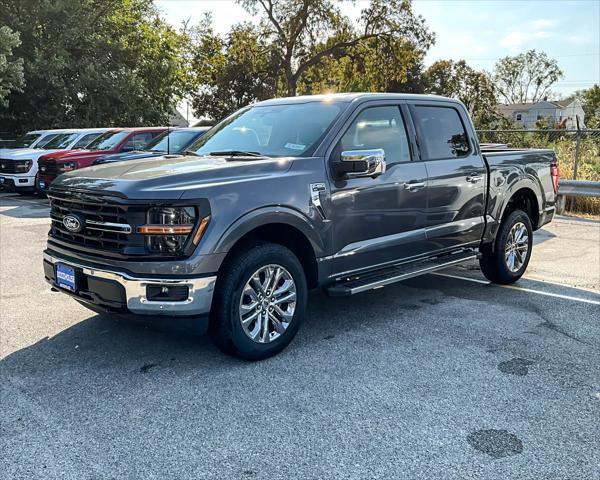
x=506, y=260
x=259, y=302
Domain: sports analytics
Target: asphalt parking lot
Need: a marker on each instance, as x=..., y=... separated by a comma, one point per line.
x=443, y=376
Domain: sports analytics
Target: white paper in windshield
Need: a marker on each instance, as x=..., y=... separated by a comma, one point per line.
x=295, y=146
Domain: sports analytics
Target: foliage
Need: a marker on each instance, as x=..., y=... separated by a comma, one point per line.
x=229, y=73
x=590, y=101
x=475, y=89
x=304, y=34
x=92, y=62
x=526, y=77
x=564, y=144
x=11, y=70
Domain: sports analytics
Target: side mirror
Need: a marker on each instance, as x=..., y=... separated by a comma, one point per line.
x=361, y=163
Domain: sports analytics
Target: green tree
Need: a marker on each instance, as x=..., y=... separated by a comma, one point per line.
x=368, y=67
x=11, y=70
x=590, y=101
x=93, y=63
x=526, y=77
x=230, y=72
x=306, y=33
x=474, y=88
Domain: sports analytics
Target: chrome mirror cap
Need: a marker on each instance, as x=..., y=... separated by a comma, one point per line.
x=373, y=159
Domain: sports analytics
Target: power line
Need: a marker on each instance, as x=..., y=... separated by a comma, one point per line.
x=552, y=56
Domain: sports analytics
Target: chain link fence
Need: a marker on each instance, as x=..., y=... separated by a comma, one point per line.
x=577, y=152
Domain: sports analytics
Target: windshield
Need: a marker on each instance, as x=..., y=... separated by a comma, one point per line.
x=174, y=141
x=61, y=141
x=270, y=130
x=25, y=141
x=107, y=141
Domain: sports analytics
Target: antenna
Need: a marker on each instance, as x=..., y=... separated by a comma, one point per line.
x=168, y=139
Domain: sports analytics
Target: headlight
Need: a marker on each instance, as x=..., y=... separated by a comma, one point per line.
x=23, y=166
x=169, y=228
x=67, y=166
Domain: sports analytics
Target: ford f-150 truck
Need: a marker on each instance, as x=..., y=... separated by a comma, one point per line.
x=347, y=192
x=113, y=141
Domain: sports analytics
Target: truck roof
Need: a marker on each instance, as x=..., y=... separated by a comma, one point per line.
x=137, y=129
x=350, y=97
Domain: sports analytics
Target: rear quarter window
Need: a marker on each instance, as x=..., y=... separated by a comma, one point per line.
x=441, y=131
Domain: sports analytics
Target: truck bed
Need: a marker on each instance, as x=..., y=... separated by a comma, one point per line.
x=528, y=171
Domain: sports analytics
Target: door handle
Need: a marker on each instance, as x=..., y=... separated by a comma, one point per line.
x=413, y=186
x=473, y=178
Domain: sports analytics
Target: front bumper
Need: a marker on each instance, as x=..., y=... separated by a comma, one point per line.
x=120, y=292
x=43, y=182
x=14, y=182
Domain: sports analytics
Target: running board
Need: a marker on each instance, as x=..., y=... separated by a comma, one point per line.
x=380, y=278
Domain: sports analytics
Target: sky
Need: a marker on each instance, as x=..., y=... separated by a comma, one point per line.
x=478, y=31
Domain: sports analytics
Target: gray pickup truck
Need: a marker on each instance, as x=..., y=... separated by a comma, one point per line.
x=347, y=192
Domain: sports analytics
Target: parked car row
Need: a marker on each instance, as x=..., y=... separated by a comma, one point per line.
x=38, y=157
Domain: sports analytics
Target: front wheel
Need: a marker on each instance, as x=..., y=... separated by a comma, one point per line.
x=506, y=260
x=259, y=303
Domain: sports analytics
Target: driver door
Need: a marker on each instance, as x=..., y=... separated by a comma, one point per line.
x=378, y=220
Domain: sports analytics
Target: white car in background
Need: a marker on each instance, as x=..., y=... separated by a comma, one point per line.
x=19, y=167
x=33, y=139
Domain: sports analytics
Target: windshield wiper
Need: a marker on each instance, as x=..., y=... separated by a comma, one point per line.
x=191, y=152
x=236, y=153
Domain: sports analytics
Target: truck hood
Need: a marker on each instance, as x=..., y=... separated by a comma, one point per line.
x=118, y=157
x=28, y=153
x=17, y=153
x=68, y=155
x=170, y=176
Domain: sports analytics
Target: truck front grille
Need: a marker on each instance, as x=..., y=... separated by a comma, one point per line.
x=47, y=167
x=13, y=166
x=100, y=224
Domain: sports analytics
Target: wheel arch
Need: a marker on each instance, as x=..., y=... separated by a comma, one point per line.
x=523, y=197
x=277, y=225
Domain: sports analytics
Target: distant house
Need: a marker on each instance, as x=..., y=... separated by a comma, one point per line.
x=561, y=114
x=177, y=119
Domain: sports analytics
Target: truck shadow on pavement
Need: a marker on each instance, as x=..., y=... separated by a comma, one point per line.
x=409, y=308
x=17, y=206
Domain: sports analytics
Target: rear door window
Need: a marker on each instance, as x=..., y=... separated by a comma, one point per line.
x=441, y=132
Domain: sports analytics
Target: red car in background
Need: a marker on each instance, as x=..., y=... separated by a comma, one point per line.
x=117, y=140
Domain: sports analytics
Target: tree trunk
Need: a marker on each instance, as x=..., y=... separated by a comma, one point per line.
x=291, y=84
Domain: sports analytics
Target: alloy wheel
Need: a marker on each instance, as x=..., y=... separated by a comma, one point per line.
x=267, y=303
x=517, y=247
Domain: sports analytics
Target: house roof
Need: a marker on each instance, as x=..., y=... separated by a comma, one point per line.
x=508, y=109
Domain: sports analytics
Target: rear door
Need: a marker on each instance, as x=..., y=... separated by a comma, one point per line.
x=378, y=220
x=456, y=174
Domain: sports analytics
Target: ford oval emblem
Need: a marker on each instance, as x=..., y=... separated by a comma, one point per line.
x=72, y=223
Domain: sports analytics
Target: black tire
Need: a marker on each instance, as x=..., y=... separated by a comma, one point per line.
x=493, y=261
x=225, y=327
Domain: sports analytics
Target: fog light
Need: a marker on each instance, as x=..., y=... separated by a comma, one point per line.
x=167, y=293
